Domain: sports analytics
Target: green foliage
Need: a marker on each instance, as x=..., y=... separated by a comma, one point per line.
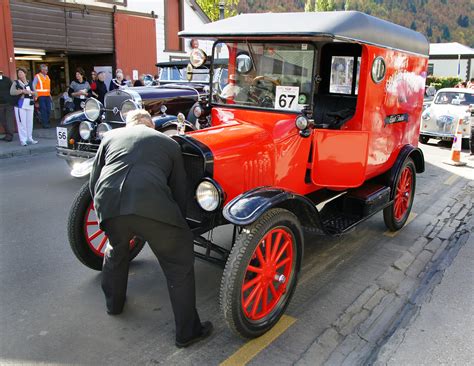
x=442, y=82
x=211, y=8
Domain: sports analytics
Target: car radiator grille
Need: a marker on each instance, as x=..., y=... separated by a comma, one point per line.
x=112, y=102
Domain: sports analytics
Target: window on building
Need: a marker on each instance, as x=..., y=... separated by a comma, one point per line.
x=173, y=24
x=115, y=2
x=430, y=69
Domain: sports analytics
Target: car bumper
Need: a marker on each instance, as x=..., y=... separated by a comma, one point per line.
x=442, y=136
x=74, y=155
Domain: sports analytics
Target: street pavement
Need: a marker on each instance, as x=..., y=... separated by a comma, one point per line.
x=354, y=294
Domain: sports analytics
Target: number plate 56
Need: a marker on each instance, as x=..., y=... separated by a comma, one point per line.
x=61, y=134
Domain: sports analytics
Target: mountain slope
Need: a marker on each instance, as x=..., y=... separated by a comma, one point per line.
x=439, y=20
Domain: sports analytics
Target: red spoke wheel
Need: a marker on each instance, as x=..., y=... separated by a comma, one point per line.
x=261, y=273
x=87, y=240
x=396, y=215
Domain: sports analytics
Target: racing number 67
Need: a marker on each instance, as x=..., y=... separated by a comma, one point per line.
x=286, y=101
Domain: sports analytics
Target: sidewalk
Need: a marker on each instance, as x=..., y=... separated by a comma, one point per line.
x=46, y=143
x=443, y=331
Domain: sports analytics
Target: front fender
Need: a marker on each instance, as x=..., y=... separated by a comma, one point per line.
x=73, y=118
x=169, y=121
x=249, y=206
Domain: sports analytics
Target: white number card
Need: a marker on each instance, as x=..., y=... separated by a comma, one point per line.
x=286, y=97
x=61, y=133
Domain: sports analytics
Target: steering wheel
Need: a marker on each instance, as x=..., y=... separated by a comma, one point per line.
x=265, y=78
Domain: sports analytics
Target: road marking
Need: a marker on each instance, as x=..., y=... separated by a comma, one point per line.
x=393, y=234
x=252, y=348
x=450, y=181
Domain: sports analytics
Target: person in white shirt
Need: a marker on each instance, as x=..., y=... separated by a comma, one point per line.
x=24, y=92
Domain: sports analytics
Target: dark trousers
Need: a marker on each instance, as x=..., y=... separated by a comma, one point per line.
x=472, y=138
x=173, y=246
x=6, y=119
x=45, y=110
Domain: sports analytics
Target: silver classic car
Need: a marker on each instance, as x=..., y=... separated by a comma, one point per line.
x=450, y=107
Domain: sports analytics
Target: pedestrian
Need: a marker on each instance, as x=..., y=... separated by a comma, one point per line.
x=6, y=107
x=24, y=94
x=101, y=87
x=93, y=84
x=118, y=81
x=42, y=86
x=470, y=84
x=140, y=81
x=79, y=89
x=137, y=187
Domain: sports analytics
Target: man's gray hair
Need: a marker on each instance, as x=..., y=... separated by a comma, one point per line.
x=139, y=117
x=43, y=66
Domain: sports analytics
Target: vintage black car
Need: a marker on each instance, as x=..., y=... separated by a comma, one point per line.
x=79, y=133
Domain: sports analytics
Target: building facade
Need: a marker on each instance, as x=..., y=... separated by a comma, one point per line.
x=451, y=60
x=132, y=35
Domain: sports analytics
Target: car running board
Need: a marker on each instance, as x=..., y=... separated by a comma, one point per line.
x=345, y=211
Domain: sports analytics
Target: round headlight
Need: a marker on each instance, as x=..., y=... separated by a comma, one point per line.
x=102, y=129
x=85, y=130
x=126, y=107
x=302, y=122
x=208, y=196
x=197, y=111
x=92, y=109
x=198, y=57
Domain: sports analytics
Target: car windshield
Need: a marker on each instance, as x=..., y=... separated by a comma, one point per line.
x=178, y=73
x=454, y=98
x=266, y=75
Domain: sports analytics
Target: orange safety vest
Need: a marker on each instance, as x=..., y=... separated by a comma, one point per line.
x=43, y=88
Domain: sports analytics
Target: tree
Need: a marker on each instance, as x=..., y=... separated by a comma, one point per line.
x=308, y=6
x=429, y=31
x=347, y=5
x=211, y=8
x=446, y=33
x=413, y=25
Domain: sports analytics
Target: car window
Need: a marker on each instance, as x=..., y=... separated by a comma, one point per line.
x=342, y=73
x=266, y=75
x=454, y=98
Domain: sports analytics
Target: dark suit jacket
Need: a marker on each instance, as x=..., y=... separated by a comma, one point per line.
x=139, y=171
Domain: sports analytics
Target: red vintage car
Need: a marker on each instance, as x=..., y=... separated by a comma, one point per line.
x=316, y=128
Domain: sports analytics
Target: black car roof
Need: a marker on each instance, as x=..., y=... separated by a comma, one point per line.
x=342, y=25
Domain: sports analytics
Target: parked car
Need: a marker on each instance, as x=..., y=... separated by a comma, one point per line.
x=317, y=128
x=450, y=108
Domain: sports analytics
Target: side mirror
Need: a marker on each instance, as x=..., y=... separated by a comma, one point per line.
x=243, y=63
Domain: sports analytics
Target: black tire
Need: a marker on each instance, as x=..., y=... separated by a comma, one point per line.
x=76, y=233
x=235, y=273
x=390, y=218
x=424, y=139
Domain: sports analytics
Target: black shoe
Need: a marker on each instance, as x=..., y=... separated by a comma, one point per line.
x=114, y=312
x=117, y=311
x=206, y=330
x=7, y=139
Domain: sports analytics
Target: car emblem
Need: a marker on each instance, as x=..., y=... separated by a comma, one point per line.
x=115, y=110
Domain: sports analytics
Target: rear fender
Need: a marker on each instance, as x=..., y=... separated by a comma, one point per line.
x=408, y=151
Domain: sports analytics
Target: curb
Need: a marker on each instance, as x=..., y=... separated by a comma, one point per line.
x=27, y=151
x=364, y=327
